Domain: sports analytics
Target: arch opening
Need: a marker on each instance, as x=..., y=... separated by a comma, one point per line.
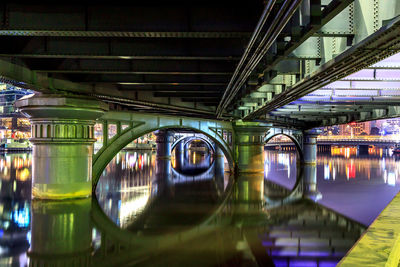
x=282, y=165
x=134, y=181
x=192, y=155
x=106, y=154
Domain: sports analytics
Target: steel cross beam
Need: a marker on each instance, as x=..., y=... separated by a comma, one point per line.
x=122, y=34
x=299, y=34
x=379, y=45
x=126, y=52
x=250, y=59
x=121, y=56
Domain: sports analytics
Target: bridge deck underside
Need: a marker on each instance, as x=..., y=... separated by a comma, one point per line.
x=371, y=93
x=259, y=60
x=174, y=57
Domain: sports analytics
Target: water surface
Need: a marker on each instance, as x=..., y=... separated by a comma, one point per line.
x=190, y=211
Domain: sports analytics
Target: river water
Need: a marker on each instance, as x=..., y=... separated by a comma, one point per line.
x=189, y=210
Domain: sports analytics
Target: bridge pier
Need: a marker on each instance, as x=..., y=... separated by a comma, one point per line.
x=62, y=137
x=164, y=141
x=250, y=148
x=218, y=152
x=310, y=147
x=219, y=159
x=179, y=154
x=310, y=164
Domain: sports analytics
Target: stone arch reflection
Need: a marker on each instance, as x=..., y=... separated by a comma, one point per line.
x=192, y=156
x=282, y=161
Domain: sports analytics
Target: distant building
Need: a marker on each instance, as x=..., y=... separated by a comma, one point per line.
x=12, y=123
x=354, y=128
x=361, y=128
x=391, y=126
x=375, y=131
x=330, y=130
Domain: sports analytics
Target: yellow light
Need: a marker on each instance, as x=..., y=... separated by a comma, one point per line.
x=22, y=175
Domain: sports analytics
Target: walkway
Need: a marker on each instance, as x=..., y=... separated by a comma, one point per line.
x=380, y=244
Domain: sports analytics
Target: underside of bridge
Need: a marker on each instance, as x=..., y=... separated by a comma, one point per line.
x=258, y=61
x=237, y=73
x=234, y=74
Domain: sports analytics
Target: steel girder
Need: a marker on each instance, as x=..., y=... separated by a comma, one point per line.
x=362, y=34
x=131, y=125
x=127, y=51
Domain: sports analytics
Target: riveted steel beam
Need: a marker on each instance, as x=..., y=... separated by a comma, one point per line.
x=122, y=56
x=122, y=34
x=377, y=46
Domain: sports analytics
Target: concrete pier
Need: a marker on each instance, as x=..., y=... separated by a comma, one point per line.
x=309, y=164
x=250, y=148
x=310, y=147
x=164, y=141
x=62, y=137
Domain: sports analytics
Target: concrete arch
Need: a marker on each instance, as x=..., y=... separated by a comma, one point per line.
x=142, y=123
x=298, y=145
x=190, y=138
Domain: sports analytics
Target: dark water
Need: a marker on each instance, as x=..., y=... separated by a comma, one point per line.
x=357, y=186
x=189, y=211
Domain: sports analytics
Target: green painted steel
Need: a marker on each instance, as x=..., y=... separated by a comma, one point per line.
x=249, y=147
x=295, y=135
x=187, y=139
x=143, y=123
x=62, y=137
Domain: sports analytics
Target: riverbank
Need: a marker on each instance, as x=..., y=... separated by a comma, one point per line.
x=380, y=244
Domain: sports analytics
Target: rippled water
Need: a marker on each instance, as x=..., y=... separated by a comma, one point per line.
x=190, y=211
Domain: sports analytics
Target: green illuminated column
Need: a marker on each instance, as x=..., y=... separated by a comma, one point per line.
x=62, y=137
x=250, y=147
x=61, y=233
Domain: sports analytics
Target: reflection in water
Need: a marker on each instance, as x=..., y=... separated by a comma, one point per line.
x=280, y=167
x=358, y=185
x=61, y=233
x=127, y=183
x=346, y=179
x=152, y=199
x=15, y=196
x=149, y=214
